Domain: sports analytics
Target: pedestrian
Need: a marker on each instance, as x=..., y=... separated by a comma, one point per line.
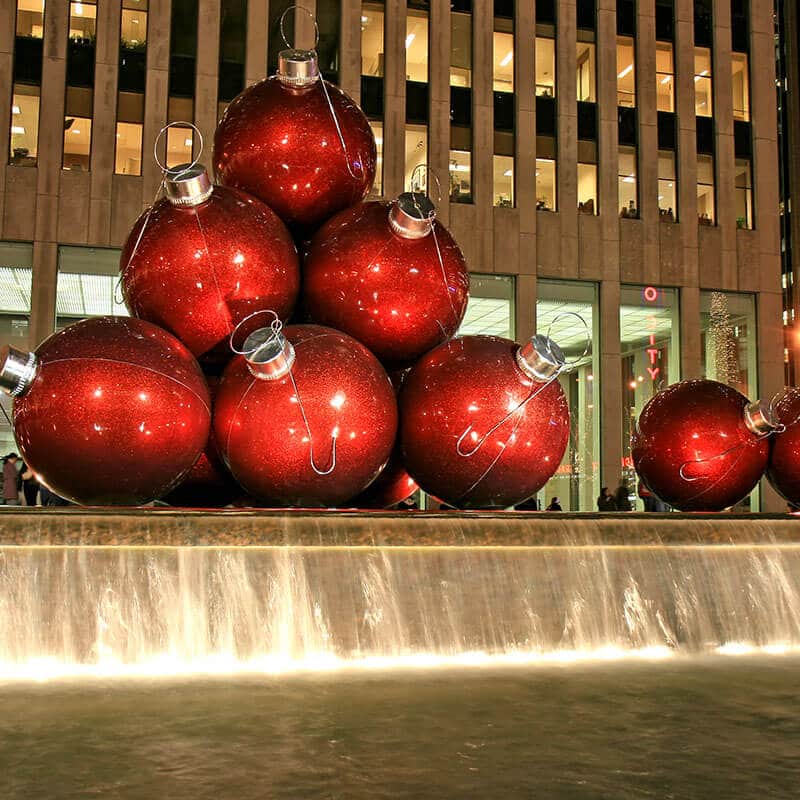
x=647, y=497
x=554, y=505
x=606, y=500
x=11, y=480
x=30, y=485
x=531, y=504
x=622, y=498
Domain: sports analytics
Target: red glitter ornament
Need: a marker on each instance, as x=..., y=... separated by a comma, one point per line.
x=700, y=445
x=484, y=422
x=388, y=275
x=783, y=471
x=298, y=143
x=203, y=258
x=391, y=487
x=307, y=417
x=109, y=411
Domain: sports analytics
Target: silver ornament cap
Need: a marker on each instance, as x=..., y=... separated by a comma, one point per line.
x=17, y=370
x=411, y=215
x=540, y=358
x=188, y=185
x=760, y=418
x=298, y=68
x=269, y=354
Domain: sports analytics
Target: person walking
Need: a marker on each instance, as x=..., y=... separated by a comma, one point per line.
x=30, y=485
x=554, y=505
x=623, y=498
x=11, y=480
x=606, y=500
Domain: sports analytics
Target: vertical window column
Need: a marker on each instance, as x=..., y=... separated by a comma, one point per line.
x=132, y=79
x=460, y=159
x=27, y=77
x=80, y=86
x=232, y=46
x=503, y=64
x=372, y=73
x=182, y=69
x=706, y=196
x=546, y=110
x=416, y=44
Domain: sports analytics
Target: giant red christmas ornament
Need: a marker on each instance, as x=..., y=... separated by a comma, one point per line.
x=783, y=471
x=297, y=142
x=390, y=276
x=307, y=417
x=391, y=487
x=700, y=445
x=484, y=422
x=110, y=410
x=203, y=258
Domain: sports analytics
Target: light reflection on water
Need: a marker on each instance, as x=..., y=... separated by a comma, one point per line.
x=683, y=727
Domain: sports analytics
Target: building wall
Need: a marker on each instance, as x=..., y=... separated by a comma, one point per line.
x=49, y=206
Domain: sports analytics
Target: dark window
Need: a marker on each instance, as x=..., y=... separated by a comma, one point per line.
x=545, y=12
x=461, y=6
x=740, y=25
x=626, y=118
x=587, y=121
x=545, y=116
x=703, y=17
x=461, y=106
x=504, y=8
x=626, y=17
x=742, y=139
x=233, y=41
x=275, y=41
x=705, y=135
x=328, y=12
x=28, y=60
x=372, y=96
x=586, y=15
x=665, y=20
x=183, y=48
x=417, y=102
x=503, y=111
x=666, y=130
x=132, y=67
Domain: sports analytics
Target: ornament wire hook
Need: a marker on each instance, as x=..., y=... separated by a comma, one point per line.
x=416, y=182
x=195, y=161
x=311, y=16
x=276, y=326
x=575, y=361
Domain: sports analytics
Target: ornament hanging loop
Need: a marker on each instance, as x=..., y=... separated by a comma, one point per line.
x=311, y=16
x=428, y=172
x=165, y=170
x=275, y=325
x=575, y=361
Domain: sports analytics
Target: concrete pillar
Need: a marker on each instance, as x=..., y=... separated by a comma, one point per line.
x=567, y=143
x=350, y=48
x=207, y=74
x=255, y=66
x=394, y=99
x=439, y=101
x=525, y=307
x=610, y=389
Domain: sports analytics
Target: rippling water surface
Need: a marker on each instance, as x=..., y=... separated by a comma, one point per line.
x=710, y=727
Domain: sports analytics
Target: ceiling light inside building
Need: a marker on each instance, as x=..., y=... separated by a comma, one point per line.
x=626, y=71
x=410, y=38
x=15, y=110
x=507, y=60
x=187, y=142
x=508, y=174
x=17, y=129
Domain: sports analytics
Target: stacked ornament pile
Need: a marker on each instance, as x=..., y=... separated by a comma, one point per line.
x=244, y=374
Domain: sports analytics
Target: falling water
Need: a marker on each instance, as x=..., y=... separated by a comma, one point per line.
x=179, y=609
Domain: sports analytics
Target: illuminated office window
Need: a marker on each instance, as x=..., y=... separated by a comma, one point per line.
x=460, y=174
x=702, y=82
x=24, y=139
x=83, y=20
x=545, y=67
x=744, y=193
x=81, y=45
x=667, y=187
x=179, y=146
x=417, y=46
x=77, y=143
x=372, y=52
x=649, y=327
x=503, y=62
x=128, y=153
x=741, y=86
x=587, y=188
x=30, y=18
x=377, y=131
x=585, y=72
x=705, y=190
x=577, y=480
x=626, y=72
x=545, y=184
x=504, y=181
x=416, y=154
x=628, y=184
x=665, y=77
x=460, y=49
x=133, y=46
x=134, y=23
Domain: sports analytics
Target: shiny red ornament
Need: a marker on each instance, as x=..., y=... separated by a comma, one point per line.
x=391, y=487
x=279, y=141
x=484, y=422
x=388, y=275
x=203, y=258
x=783, y=471
x=307, y=418
x=700, y=445
x=109, y=411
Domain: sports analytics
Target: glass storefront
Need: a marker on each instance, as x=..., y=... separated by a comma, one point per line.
x=577, y=481
x=87, y=284
x=490, y=310
x=649, y=326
